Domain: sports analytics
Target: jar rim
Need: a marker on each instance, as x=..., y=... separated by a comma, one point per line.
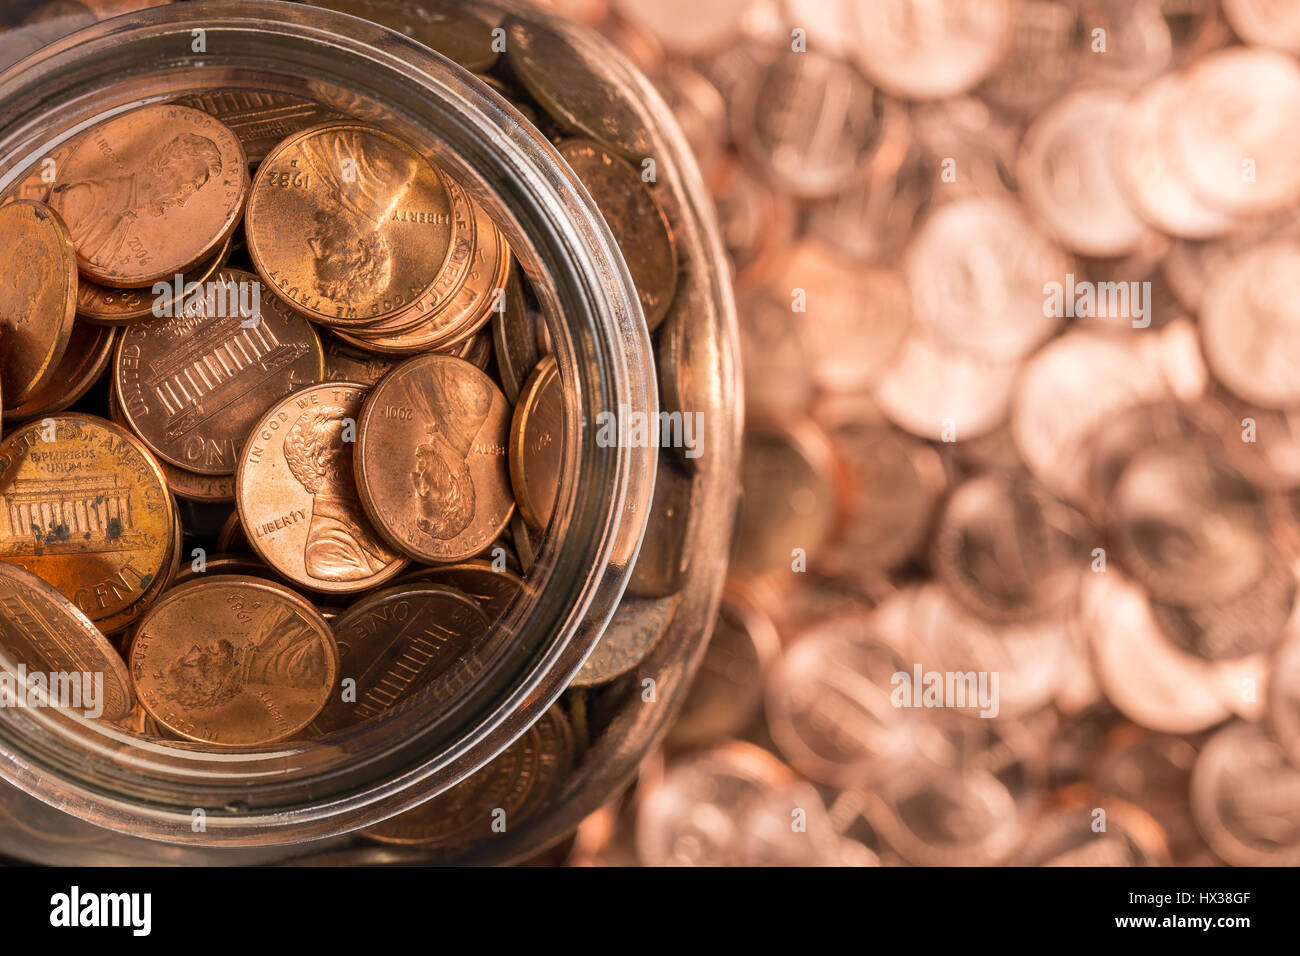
x=601, y=342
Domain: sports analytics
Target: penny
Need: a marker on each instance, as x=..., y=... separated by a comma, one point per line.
x=636, y=219
x=663, y=563
x=692, y=817
x=541, y=755
x=461, y=299
x=443, y=426
x=151, y=193
x=1067, y=174
x=85, y=508
x=537, y=445
x=1146, y=678
x=192, y=386
x=231, y=537
x=562, y=78
x=690, y=364
x=459, y=32
x=348, y=363
x=231, y=661
x=1190, y=525
x=1233, y=132
x=1249, y=321
x=808, y=122
x=794, y=491
x=297, y=497
x=38, y=298
x=977, y=268
x=89, y=351
x=494, y=590
x=1244, y=798
x=918, y=50
x=514, y=344
x=36, y=185
x=632, y=633
x=828, y=702
x=43, y=631
x=727, y=691
x=259, y=118
x=395, y=644
x=238, y=565
x=1007, y=549
x=523, y=542
x=103, y=305
x=348, y=224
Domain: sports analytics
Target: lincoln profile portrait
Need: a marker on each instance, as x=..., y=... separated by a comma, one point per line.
x=363, y=179
x=101, y=213
x=338, y=547
x=453, y=410
x=212, y=674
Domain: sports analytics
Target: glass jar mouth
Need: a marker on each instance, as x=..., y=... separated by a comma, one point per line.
x=292, y=792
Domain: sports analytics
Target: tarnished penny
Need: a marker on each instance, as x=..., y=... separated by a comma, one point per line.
x=38, y=297
x=151, y=193
x=395, y=644
x=123, y=619
x=43, y=630
x=297, y=496
x=84, y=506
x=234, y=662
x=632, y=633
x=537, y=444
x=89, y=351
x=636, y=220
x=493, y=589
x=561, y=78
x=348, y=224
x=431, y=463
x=192, y=386
x=348, y=363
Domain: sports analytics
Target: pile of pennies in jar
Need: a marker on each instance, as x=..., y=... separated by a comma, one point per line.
x=281, y=414
x=1017, y=291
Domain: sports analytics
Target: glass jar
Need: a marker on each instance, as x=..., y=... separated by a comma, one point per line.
x=307, y=797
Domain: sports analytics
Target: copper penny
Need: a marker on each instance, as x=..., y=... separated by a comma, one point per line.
x=260, y=119
x=348, y=224
x=233, y=662
x=43, y=630
x=537, y=445
x=86, y=508
x=123, y=619
x=89, y=351
x=513, y=341
x=635, y=218
x=192, y=386
x=104, y=305
x=349, y=363
x=190, y=485
x=444, y=426
x=38, y=298
x=493, y=589
x=632, y=633
x=396, y=644
x=297, y=497
x=151, y=193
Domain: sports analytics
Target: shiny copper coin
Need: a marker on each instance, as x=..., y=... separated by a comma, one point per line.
x=234, y=662
x=348, y=224
x=639, y=225
x=297, y=497
x=84, y=506
x=38, y=297
x=431, y=460
x=43, y=630
x=151, y=193
x=396, y=644
x=444, y=317
x=192, y=386
x=89, y=351
x=104, y=305
x=537, y=445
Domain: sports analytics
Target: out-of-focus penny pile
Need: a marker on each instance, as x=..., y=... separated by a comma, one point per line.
x=318, y=430
x=1017, y=286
